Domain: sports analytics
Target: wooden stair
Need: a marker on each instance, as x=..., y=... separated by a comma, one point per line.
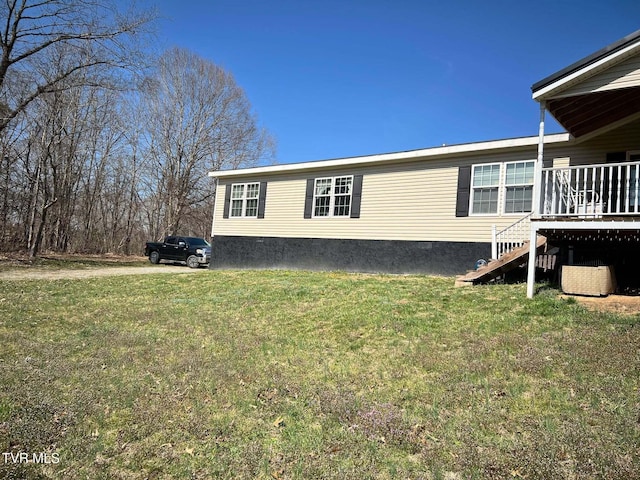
x=495, y=268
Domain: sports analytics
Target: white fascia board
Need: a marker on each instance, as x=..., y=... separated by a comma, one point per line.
x=586, y=72
x=423, y=154
x=586, y=225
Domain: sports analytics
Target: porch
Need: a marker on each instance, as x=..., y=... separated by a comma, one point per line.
x=591, y=207
x=588, y=210
x=591, y=215
x=587, y=215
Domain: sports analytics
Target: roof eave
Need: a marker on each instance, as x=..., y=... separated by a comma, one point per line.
x=551, y=84
x=413, y=155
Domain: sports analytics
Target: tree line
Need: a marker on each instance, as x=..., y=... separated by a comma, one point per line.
x=104, y=145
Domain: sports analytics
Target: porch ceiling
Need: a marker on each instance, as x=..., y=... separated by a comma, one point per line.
x=583, y=114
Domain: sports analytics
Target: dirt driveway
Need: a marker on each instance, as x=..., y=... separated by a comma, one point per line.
x=47, y=274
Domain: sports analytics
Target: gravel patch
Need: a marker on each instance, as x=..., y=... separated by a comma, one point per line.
x=42, y=274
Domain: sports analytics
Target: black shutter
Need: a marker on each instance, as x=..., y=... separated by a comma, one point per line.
x=227, y=201
x=356, y=196
x=308, y=199
x=262, y=199
x=464, y=191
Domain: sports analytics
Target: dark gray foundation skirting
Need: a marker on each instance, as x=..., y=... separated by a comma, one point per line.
x=381, y=256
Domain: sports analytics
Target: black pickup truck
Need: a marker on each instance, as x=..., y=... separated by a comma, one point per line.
x=192, y=250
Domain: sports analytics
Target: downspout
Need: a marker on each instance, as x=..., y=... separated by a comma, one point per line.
x=537, y=191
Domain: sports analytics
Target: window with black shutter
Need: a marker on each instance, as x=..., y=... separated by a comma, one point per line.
x=245, y=200
x=339, y=196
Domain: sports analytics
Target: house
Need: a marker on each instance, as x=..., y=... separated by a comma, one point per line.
x=440, y=210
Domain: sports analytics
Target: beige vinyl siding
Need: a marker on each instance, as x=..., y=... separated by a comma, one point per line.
x=413, y=201
x=561, y=162
x=625, y=74
x=594, y=151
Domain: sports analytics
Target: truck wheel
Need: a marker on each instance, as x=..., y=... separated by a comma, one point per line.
x=154, y=257
x=192, y=261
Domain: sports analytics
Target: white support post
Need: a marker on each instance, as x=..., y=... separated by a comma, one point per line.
x=537, y=179
x=533, y=250
x=537, y=200
x=494, y=242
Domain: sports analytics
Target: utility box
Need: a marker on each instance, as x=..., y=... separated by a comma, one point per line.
x=591, y=281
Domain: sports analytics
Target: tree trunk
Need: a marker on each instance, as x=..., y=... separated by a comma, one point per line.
x=34, y=249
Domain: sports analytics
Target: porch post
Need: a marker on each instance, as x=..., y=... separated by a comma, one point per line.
x=537, y=201
x=537, y=179
x=494, y=242
x=533, y=247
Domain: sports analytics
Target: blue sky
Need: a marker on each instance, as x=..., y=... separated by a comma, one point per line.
x=334, y=79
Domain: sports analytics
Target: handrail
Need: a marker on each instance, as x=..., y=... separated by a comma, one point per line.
x=513, y=236
x=577, y=167
x=591, y=191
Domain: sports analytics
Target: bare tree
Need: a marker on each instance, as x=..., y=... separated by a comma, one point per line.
x=58, y=61
x=88, y=164
x=93, y=30
x=198, y=120
x=13, y=190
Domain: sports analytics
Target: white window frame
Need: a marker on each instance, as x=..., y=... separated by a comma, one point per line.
x=507, y=186
x=473, y=189
x=244, y=199
x=332, y=196
x=502, y=189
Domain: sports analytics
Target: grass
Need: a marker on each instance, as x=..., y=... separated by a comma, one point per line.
x=299, y=375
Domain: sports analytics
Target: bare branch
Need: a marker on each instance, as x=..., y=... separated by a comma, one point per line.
x=33, y=28
x=198, y=119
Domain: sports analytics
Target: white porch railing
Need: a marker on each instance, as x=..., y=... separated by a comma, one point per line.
x=591, y=191
x=514, y=236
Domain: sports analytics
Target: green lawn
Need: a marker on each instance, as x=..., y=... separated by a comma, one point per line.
x=300, y=375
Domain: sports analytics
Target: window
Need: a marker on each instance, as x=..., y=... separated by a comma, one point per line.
x=244, y=199
x=485, y=188
x=332, y=197
x=342, y=192
x=496, y=184
x=322, y=197
x=519, y=187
